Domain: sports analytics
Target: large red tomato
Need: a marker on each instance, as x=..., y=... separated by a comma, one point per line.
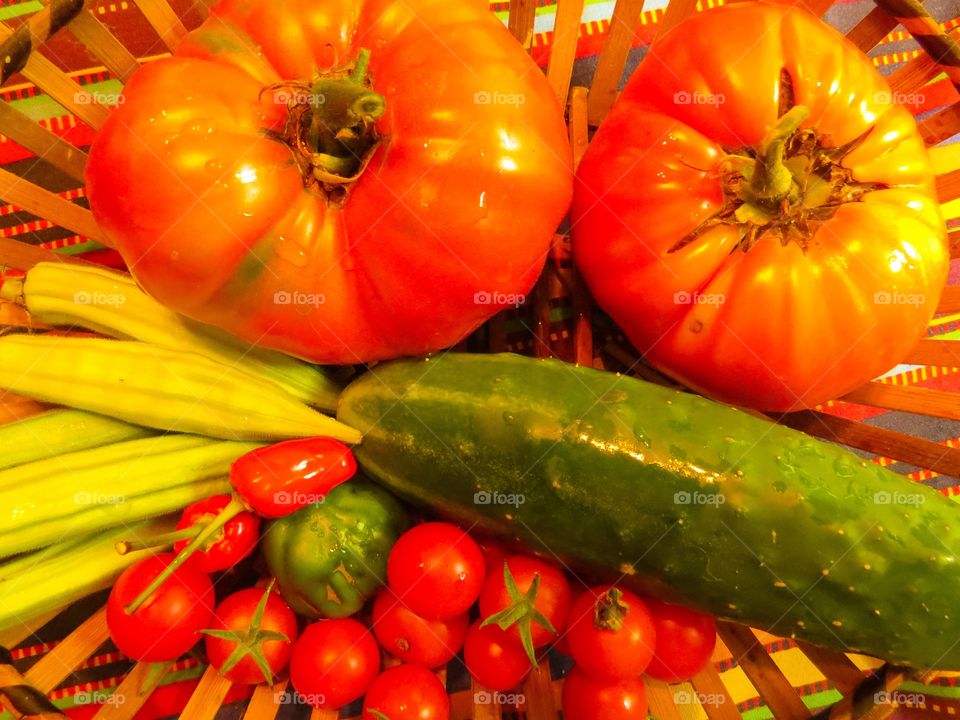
x=753, y=280
x=268, y=180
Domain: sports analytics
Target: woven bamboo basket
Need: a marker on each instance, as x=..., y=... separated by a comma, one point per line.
x=575, y=337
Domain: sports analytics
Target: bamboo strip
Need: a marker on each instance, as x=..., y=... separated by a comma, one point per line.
x=563, y=51
x=880, y=441
x=103, y=44
x=837, y=668
x=940, y=126
x=918, y=400
x=929, y=34
x=208, y=697
x=18, y=46
x=613, y=58
x=263, y=704
x=523, y=15
x=36, y=200
x=676, y=11
x=579, y=127
x=57, y=664
x=661, y=699
x=164, y=20
x=129, y=690
x=762, y=671
x=24, y=131
x=941, y=353
x=317, y=714
x=719, y=705
x=538, y=691
x=484, y=710
x=872, y=29
x=65, y=90
x=948, y=186
x=22, y=256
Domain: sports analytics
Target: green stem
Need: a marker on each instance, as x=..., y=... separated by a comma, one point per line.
x=771, y=180
x=12, y=290
x=159, y=541
x=234, y=508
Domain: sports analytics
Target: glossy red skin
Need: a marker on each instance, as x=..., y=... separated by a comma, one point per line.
x=413, y=639
x=795, y=328
x=407, y=692
x=279, y=479
x=233, y=543
x=495, y=658
x=437, y=570
x=167, y=624
x=460, y=198
x=685, y=641
x=554, y=597
x=585, y=697
x=334, y=662
x=235, y=613
x=617, y=655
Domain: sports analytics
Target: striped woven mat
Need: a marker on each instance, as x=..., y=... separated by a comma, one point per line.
x=102, y=672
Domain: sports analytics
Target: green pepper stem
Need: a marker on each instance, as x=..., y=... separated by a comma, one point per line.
x=771, y=180
x=158, y=541
x=232, y=509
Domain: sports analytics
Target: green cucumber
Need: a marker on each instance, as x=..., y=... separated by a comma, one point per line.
x=671, y=494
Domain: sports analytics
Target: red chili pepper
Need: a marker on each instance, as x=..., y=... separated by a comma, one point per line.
x=235, y=541
x=279, y=479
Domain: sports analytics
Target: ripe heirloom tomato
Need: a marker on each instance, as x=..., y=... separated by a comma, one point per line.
x=343, y=180
x=758, y=263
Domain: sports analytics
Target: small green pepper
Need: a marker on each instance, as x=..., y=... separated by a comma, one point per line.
x=330, y=557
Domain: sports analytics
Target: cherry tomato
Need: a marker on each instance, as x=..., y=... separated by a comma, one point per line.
x=168, y=623
x=685, y=641
x=494, y=553
x=279, y=479
x=411, y=638
x=586, y=697
x=437, y=570
x=262, y=625
x=406, y=692
x=495, y=658
x=334, y=662
x=611, y=634
x=553, y=596
x=235, y=541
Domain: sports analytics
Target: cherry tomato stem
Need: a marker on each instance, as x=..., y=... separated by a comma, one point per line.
x=233, y=508
x=165, y=540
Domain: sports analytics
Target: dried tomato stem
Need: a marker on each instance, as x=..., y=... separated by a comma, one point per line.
x=771, y=180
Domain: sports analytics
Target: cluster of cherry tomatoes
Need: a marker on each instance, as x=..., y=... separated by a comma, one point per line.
x=445, y=593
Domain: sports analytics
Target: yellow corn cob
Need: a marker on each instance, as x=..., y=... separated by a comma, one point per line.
x=112, y=304
x=157, y=387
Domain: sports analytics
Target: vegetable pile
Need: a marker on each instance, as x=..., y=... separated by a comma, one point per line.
x=349, y=195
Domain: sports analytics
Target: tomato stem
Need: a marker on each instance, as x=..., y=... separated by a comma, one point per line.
x=610, y=611
x=234, y=508
x=158, y=541
x=772, y=180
